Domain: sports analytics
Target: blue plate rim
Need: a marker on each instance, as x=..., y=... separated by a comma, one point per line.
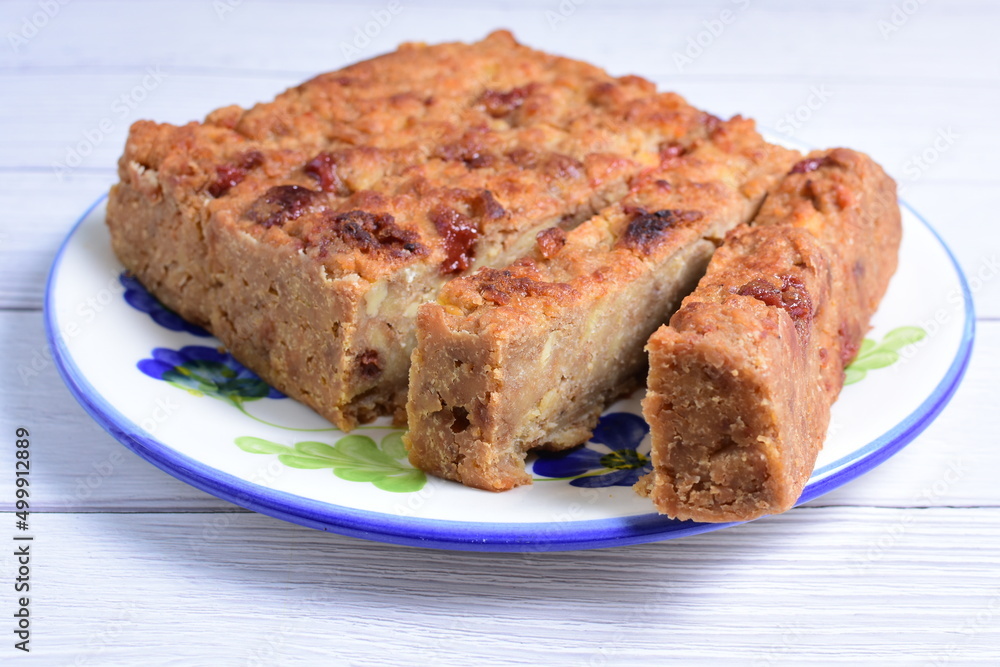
x=474, y=536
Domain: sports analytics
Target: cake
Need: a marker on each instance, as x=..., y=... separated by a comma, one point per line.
x=741, y=381
x=305, y=232
x=527, y=357
x=480, y=239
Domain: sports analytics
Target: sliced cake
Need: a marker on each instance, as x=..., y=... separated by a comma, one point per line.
x=528, y=356
x=305, y=232
x=742, y=380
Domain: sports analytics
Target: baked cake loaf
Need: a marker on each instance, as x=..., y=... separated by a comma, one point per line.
x=528, y=356
x=742, y=380
x=304, y=232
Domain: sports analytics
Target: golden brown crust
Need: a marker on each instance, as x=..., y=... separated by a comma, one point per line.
x=362, y=191
x=742, y=380
x=528, y=356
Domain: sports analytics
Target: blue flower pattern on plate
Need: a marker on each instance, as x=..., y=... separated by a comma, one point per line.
x=140, y=299
x=203, y=370
x=617, y=455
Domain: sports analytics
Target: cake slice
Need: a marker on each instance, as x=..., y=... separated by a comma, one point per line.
x=528, y=356
x=305, y=232
x=742, y=380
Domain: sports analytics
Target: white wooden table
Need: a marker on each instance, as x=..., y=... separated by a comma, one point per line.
x=132, y=567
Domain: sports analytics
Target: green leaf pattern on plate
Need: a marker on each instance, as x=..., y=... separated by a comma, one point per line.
x=355, y=458
x=872, y=356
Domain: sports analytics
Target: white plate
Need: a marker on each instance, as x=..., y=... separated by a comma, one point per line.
x=118, y=351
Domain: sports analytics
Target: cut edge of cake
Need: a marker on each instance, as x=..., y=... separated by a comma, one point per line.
x=742, y=380
x=527, y=357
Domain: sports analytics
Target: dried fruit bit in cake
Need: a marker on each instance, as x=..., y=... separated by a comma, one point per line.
x=231, y=174
x=646, y=230
x=323, y=168
x=502, y=103
x=791, y=295
x=459, y=233
x=807, y=165
x=550, y=241
x=281, y=204
x=367, y=232
x=369, y=364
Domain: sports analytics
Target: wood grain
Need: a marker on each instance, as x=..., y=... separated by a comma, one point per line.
x=134, y=567
x=867, y=585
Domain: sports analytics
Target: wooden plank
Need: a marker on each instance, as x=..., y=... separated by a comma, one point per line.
x=935, y=41
x=37, y=213
x=76, y=464
x=825, y=585
x=43, y=138
x=837, y=582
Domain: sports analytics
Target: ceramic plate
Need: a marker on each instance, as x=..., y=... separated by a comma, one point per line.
x=163, y=388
